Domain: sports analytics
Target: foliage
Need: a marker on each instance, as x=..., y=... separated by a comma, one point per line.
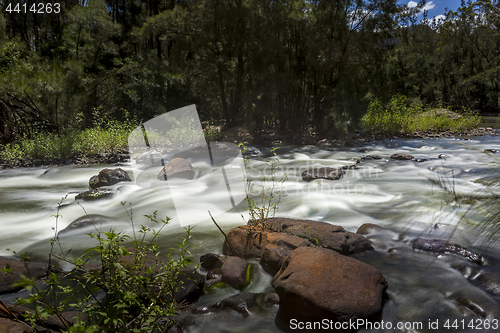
x=107, y=136
x=289, y=66
x=130, y=289
x=400, y=116
x=264, y=199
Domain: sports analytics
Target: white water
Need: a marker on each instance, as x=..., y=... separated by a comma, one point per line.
x=397, y=195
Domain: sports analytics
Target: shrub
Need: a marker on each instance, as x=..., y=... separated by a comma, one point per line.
x=120, y=295
x=400, y=116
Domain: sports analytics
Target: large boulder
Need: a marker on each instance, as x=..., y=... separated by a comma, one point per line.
x=245, y=242
x=108, y=177
x=279, y=245
x=17, y=268
x=176, y=168
x=322, y=173
x=322, y=234
x=314, y=284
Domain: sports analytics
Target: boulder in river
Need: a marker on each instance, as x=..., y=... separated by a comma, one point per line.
x=314, y=284
x=176, y=168
x=322, y=234
x=322, y=173
x=401, y=157
x=108, y=177
x=90, y=220
x=17, y=268
x=210, y=261
x=235, y=272
x=94, y=194
x=278, y=246
x=442, y=246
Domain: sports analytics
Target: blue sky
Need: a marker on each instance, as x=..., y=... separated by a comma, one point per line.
x=435, y=7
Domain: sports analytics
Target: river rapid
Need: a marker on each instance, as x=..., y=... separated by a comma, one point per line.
x=450, y=198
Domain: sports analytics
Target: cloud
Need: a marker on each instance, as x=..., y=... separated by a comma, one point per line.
x=412, y=4
x=440, y=17
x=428, y=6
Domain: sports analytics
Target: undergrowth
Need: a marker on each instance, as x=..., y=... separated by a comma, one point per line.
x=400, y=116
x=123, y=284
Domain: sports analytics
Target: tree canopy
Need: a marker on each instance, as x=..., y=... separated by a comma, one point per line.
x=290, y=66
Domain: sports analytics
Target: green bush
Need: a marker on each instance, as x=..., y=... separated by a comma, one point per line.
x=400, y=116
x=120, y=295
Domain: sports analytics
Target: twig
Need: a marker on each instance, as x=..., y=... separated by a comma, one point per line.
x=225, y=236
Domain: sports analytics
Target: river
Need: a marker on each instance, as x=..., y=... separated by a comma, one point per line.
x=449, y=198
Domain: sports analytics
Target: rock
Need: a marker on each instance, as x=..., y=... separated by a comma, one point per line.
x=244, y=303
x=401, y=157
x=322, y=173
x=368, y=228
x=11, y=326
x=108, y=177
x=245, y=242
x=322, y=234
x=34, y=270
x=214, y=273
x=272, y=299
x=234, y=272
x=314, y=284
x=176, y=168
x=190, y=286
x=94, y=194
x=370, y=157
x=278, y=246
x=349, y=167
x=443, y=156
x=420, y=159
x=210, y=261
x=441, y=246
x=494, y=151
x=213, y=284
x=83, y=222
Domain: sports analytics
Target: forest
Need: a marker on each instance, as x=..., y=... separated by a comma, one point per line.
x=290, y=66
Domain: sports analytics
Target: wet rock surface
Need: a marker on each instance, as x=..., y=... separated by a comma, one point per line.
x=108, y=177
x=322, y=173
x=441, y=246
x=402, y=157
x=176, y=168
x=234, y=272
x=314, y=284
x=94, y=194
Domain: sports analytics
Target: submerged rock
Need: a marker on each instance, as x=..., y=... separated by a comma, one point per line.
x=322, y=173
x=176, y=168
x=316, y=284
x=442, y=246
x=94, y=194
x=402, y=157
x=108, y=177
x=83, y=222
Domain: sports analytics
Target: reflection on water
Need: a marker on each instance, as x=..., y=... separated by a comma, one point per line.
x=444, y=198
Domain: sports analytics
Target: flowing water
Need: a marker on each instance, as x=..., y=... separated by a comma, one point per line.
x=449, y=198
